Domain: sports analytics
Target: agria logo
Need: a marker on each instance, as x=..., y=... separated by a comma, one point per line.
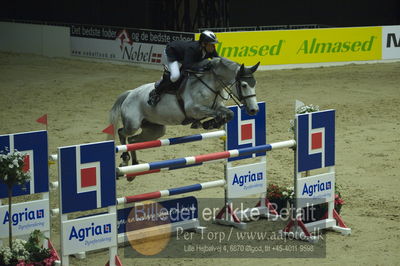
x=316, y=187
x=249, y=178
x=23, y=216
x=93, y=230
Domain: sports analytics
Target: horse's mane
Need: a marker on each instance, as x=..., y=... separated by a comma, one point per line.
x=229, y=64
x=204, y=64
x=201, y=66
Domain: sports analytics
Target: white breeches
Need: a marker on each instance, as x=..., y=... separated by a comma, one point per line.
x=173, y=67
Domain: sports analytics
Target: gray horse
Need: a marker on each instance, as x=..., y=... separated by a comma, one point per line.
x=203, y=97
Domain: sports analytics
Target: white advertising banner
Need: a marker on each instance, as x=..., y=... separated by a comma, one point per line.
x=89, y=233
x=122, y=44
x=315, y=189
x=114, y=50
x=25, y=217
x=246, y=180
x=391, y=42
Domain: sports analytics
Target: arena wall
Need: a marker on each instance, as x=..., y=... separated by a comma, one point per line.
x=276, y=49
x=53, y=41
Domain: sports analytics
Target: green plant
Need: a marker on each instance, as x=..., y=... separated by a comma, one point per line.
x=307, y=109
x=302, y=110
x=28, y=253
x=276, y=192
x=339, y=202
x=12, y=173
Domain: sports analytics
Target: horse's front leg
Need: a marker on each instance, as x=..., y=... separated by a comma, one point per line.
x=223, y=115
x=199, y=112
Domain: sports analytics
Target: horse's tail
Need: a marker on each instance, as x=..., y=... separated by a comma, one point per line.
x=115, y=112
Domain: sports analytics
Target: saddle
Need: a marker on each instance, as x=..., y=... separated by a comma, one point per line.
x=177, y=88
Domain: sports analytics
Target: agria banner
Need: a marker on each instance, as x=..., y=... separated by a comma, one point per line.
x=301, y=46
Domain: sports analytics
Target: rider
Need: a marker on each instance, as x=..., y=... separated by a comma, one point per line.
x=185, y=53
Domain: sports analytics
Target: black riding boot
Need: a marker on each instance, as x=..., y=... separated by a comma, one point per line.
x=159, y=87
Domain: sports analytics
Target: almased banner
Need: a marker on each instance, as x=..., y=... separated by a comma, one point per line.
x=301, y=46
x=122, y=44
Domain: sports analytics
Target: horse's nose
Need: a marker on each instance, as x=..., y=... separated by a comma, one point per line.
x=253, y=111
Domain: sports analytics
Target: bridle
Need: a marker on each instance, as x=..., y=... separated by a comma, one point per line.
x=239, y=91
x=228, y=88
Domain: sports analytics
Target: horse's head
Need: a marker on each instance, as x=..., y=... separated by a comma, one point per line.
x=243, y=77
x=246, y=88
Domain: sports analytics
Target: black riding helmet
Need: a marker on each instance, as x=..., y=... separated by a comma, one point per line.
x=208, y=37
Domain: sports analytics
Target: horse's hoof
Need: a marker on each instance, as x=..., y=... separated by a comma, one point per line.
x=216, y=125
x=130, y=178
x=125, y=157
x=196, y=125
x=123, y=164
x=206, y=125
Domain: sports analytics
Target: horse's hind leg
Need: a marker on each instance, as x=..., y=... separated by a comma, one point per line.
x=129, y=128
x=150, y=131
x=125, y=155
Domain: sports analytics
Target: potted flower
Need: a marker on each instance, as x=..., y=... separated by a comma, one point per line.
x=279, y=196
x=12, y=173
x=302, y=108
x=339, y=202
x=21, y=252
x=320, y=211
x=28, y=253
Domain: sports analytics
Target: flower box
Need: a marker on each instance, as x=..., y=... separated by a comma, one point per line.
x=320, y=211
x=29, y=253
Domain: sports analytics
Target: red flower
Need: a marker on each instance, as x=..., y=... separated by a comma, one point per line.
x=338, y=200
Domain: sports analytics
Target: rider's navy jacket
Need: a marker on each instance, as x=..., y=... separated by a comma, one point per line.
x=187, y=53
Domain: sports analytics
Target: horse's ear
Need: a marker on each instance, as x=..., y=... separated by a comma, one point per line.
x=254, y=68
x=241, y=70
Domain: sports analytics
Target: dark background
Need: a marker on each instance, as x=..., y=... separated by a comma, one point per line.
x=190, y=15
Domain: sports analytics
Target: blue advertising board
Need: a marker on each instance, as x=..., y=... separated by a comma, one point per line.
x=35, y=145
x=315, y=140
x=87, y=176
x=245, y=131
x=158, y=213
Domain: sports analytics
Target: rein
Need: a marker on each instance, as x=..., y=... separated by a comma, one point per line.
x=217, y=93
x=228, y=88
